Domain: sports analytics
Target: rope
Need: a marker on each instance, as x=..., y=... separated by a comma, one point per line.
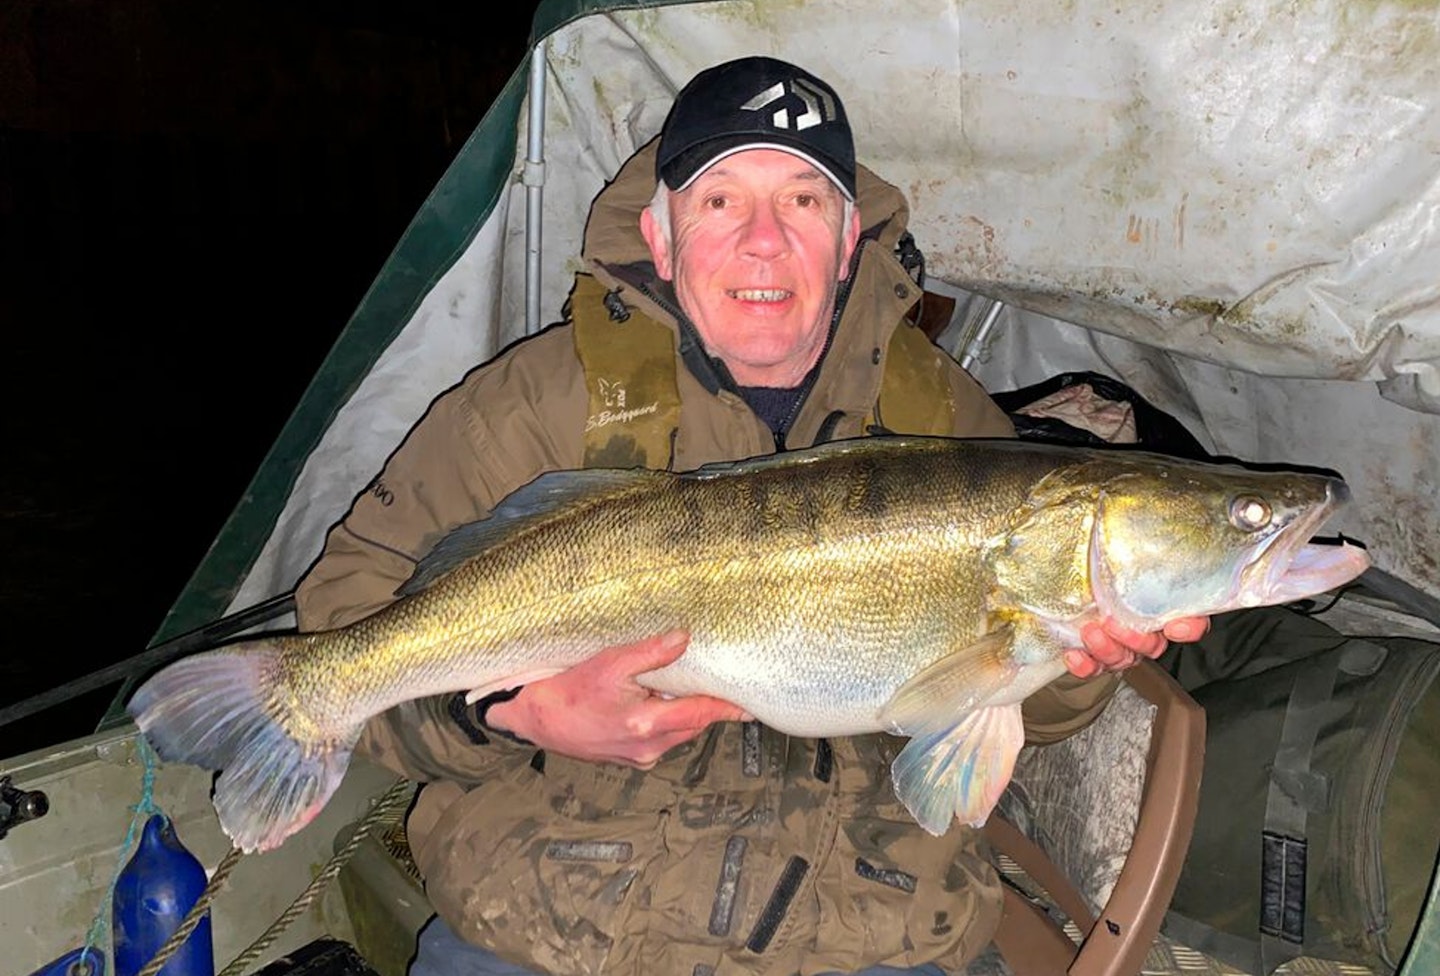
x=393, y=798
x=196, y=914
x=396, y=796
x=142, y=811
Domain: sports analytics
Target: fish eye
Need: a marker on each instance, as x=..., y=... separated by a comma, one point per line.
x=1249, y=513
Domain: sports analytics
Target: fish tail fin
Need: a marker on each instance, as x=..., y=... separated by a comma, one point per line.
x=218, y=710
x=959, y=772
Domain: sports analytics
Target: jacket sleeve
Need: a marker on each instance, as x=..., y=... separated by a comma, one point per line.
x=504, y=425
x=1065, y=706
x=434, y=482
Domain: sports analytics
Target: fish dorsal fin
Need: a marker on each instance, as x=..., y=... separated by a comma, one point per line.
x=533, y=504
x=946, y=689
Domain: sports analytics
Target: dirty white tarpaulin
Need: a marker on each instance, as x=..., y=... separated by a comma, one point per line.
x=1255, y=184
x=1248, y=190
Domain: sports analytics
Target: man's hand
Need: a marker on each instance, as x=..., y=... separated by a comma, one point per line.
x=1111, y=647
x=597, y=711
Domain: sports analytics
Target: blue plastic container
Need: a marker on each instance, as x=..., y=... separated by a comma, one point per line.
x=153, y=894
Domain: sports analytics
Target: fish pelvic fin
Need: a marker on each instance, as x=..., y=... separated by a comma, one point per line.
x=943, y=690
x=959, y=772
x=219, y=711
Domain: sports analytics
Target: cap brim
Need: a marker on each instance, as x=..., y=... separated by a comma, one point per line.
x=784, y=147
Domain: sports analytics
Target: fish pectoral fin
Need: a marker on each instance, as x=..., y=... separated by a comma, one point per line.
x=510, y=681
x=953, y=685
x=959, y=772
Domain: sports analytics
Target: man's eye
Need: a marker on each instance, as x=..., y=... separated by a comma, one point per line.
x=805, y=200
x=716, y=202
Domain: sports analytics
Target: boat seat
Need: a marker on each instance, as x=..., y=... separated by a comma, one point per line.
x=1092, y=832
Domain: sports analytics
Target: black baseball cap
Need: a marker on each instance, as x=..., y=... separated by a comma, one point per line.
x=755, y=103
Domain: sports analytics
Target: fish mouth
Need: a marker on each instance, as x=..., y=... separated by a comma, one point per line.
x=1287, y=567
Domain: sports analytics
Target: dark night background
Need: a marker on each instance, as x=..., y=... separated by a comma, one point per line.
x=194, y=196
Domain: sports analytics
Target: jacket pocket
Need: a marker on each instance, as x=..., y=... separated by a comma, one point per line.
x=891, y=893
x=540, y=888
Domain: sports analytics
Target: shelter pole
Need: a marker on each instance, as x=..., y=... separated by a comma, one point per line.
x=147, y=661
x=534, y=179
x=977, y=342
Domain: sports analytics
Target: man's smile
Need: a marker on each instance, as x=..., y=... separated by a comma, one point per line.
x=760, y=294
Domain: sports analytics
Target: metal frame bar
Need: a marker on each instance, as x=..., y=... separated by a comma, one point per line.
x=534, y=180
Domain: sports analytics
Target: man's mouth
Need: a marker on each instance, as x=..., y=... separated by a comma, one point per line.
x=759, y=294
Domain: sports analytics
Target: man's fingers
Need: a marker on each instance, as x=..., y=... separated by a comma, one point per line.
x=1187, y=629
x=646, y=655
x=1104, y=648
x=1081, y=664
x=1121, y=641
x=691, y=715
x=663, y=724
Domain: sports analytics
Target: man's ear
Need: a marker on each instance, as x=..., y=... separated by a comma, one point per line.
x=658, y=242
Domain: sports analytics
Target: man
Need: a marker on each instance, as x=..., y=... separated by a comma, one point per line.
x=742, y=296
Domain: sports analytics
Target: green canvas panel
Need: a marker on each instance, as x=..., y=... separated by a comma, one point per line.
x=443, y=227
x=1423, y=958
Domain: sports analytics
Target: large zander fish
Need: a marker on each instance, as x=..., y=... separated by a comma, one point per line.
x=920, y=586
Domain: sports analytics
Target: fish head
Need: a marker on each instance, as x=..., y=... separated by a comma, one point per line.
x=1174, y=540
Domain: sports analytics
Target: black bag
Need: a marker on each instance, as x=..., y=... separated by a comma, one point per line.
x=1317, y=832
x=1155, y=430
x=323, y=957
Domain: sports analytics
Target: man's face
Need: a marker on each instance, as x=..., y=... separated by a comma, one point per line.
x=759, y=246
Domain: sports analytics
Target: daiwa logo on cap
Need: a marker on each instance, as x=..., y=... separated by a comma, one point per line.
x=819, y=106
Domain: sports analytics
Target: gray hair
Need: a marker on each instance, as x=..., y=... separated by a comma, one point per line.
x=660, y=210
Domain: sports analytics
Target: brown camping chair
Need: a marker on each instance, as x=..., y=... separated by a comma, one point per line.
x=1116, y=940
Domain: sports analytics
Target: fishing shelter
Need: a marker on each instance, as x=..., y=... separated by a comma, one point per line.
x=1234, y=208
x=1231, y=207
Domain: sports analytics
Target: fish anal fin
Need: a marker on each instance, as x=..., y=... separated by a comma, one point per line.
x=959, y=773
x=937, y=695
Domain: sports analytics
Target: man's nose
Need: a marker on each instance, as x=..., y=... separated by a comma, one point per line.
x=764, y=233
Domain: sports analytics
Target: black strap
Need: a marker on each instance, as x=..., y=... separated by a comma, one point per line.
x=472, y=718
x=1295, y=790
x=482, y=711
